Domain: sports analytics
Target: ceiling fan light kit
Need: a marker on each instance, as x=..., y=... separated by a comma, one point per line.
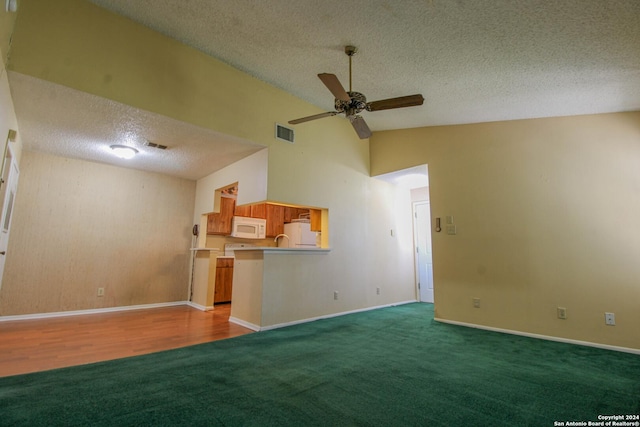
x=351, y=103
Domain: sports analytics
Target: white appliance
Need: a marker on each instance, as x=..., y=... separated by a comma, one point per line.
x=248, y=228
x=300, y=236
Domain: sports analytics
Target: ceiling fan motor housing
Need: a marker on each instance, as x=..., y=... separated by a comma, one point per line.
x=357, y=104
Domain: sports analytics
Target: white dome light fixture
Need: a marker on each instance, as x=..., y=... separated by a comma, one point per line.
x=124, y=151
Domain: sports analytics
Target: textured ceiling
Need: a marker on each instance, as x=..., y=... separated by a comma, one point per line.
x=473, y=60
x=66, y=122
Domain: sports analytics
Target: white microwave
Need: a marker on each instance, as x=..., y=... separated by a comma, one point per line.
x=248, y=228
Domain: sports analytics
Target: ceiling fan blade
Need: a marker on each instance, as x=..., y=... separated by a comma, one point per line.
x=360, y=127
x=401, y=102
x=314, y=117
x=333, y=84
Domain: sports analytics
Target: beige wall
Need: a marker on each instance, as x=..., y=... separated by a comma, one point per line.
x=77, y=44
x=78, y=226
x=80, y=45
x=328, y=167
x=547, y=215
x=8, y=118
x=7, y=22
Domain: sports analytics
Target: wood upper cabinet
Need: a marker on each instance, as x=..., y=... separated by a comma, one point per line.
x=220, y=222
x=291, y=213
x=252, y=211
x=275, y=220
x=316, y=219
x=242, y=211
x=259, y=211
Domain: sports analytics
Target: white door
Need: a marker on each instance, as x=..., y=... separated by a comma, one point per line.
x=424, y=262
x=8, y=188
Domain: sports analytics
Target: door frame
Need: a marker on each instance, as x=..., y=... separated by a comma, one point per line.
x=8, y=189
x=416, y=254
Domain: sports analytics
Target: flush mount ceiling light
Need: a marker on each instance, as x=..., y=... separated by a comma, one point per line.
x=124, y=151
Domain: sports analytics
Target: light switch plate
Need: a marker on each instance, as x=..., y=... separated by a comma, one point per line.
x=11, y=5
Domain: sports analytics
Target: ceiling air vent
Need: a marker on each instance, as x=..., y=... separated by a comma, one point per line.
x=154, y=145
x=284, y=133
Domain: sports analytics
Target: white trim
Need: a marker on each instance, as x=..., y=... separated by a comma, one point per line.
x=542, y=337
x=198, y=306
x=329, y=316
x=243, y=323
x=285, y=251
x=91, y=311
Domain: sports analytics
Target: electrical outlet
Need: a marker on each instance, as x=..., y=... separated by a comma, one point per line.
x=377, y=291
x=476, y=302
x=610, y=319
x=100, y=292
x=562, y=313
x=335, y=295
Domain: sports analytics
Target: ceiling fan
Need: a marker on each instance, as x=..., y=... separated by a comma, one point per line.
x=351, y=103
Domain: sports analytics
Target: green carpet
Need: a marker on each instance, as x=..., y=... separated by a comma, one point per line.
x=390, y=367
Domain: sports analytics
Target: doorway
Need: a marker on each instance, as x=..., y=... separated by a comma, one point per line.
x=416, y=180
x=422, y=250
x=8, y=187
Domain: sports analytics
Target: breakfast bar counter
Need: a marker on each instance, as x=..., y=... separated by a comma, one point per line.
x=273, y=287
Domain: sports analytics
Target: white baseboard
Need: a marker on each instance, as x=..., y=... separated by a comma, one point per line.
x=90, y=311
x=541, y=337
x=243, y=323
x=199, y=307
x=328, y=316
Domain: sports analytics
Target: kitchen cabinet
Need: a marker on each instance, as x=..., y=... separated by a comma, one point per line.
x=275, y=220
x=276, y=216
x=315, y=215
x=243, y=211
x=291, y=213
x=220, y=222
x=252, y=211
x=224, y=280
x=259, y=211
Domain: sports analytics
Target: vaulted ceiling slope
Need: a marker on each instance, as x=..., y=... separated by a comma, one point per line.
x=473, y=60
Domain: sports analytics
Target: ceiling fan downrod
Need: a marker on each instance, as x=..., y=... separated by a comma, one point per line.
x=350, y=51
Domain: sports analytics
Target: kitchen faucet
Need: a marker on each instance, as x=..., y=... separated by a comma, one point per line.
x=280, y=235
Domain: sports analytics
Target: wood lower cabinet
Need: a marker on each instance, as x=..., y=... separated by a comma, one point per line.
x=224, y=280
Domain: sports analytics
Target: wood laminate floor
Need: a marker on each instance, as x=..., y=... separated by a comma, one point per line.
x=38, y=345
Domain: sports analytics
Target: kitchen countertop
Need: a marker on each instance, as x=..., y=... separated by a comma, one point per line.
x=276, y=250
